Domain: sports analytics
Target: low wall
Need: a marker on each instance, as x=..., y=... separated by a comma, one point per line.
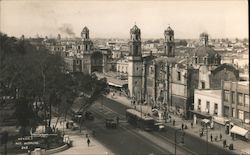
x=39, y=151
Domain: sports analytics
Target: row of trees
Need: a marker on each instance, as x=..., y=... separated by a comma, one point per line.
x=38, y=82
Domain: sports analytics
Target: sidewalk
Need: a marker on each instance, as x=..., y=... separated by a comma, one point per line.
x=238, y=144
x=79, y=145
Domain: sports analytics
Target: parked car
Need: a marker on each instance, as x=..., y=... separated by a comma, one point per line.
x=111, y=123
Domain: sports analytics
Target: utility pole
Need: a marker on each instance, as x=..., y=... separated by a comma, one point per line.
x=207, y=139
x=175, y=141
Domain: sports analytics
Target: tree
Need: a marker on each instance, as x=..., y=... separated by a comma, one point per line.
x=32, y=74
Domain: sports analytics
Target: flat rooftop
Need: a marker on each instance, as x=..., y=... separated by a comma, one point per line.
x=209, y=92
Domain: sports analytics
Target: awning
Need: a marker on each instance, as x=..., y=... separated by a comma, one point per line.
x=238, y=130
x=115, y=85
x=206, y=121
x=201, y=114
x=220, y=120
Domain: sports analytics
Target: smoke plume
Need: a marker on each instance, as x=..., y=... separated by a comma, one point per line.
x=67, y=29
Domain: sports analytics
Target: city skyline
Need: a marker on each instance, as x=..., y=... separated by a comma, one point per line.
x=113, y=19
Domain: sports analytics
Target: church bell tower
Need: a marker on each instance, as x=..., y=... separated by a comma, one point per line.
x=135, y=64
x=169, y=45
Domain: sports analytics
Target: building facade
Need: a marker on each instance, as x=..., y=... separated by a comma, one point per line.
x=80, y=55
x=169, y=81
x=207, y=102
x=235, y=100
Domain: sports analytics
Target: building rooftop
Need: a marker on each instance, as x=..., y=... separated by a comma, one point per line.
x=209, y=92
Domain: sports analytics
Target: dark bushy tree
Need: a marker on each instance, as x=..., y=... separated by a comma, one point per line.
x=32, y=74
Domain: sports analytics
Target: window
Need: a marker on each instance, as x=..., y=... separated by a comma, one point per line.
x=246, y=100
x=246, y=115
x=216, y=109
x=151, y=70
x=233, y=97
x=241, y=115
x=179, y=76
x=196, y=60
x=207, y=106
x=226, y=95
x=240, y=98
x=199, y=104
x=233, y=112
x=202, y=84
x=205, y=60
x=226, y=111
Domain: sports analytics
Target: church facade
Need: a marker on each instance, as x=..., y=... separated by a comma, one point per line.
x=169, y=81
x=81, y=56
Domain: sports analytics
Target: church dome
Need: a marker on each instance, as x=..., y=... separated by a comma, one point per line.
x=204, y=51
x=203, y=34
x=135, y=30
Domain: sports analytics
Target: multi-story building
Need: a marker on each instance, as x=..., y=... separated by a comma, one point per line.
x=207, y=103
x=122, y=66
x=235, y=100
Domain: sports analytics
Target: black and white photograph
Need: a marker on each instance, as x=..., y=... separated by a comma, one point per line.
x=124, y=77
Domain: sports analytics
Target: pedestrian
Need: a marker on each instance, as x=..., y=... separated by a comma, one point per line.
x=67, y=125
x=186, y=126
x=232, y=136
x=173, y=122
x=224, y=143
x=191, y=124
x=88, y=141
x=182, y=126
x=117, y=120
x=54, y=129
x=211, y=137
x=216, y=137
x=220, y=136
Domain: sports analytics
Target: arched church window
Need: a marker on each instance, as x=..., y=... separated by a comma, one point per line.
x=203, y=85
x=196, y=60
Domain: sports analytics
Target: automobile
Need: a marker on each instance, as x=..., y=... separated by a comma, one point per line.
x=159, y=126
x=89, y=115
x=111, y=123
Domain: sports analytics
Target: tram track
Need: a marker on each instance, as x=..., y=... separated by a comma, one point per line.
x=160, y=141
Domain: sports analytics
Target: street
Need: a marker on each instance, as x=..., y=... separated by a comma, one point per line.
x=135, y=141
x=123, y=140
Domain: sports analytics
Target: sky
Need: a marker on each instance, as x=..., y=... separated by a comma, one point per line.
x=114, y=18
